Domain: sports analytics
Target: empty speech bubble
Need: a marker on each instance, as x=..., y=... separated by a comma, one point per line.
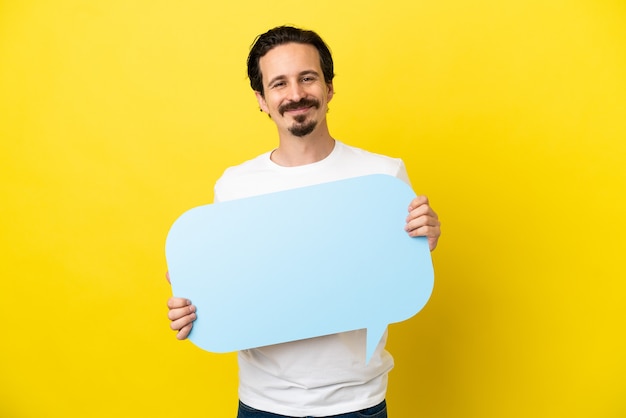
x=300, y=263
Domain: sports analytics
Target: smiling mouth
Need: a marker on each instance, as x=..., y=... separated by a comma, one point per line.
x=299, y=110
x=299, y=107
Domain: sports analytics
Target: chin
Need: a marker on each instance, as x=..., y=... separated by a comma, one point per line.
x=302, y=130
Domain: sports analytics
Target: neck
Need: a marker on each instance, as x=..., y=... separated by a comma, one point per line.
x=293, y=151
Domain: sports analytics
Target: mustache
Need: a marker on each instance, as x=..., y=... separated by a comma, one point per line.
x=304, y=102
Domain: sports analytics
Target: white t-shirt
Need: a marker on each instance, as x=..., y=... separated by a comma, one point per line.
x=317, y=376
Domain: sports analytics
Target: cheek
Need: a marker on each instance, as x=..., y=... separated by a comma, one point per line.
x=272, y=102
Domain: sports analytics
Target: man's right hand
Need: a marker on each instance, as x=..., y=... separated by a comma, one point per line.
x=182, y=314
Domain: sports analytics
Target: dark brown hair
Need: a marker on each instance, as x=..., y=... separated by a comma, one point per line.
x=283, y=35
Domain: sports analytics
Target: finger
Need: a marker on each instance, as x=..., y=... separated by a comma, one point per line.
x=167, y=276
x=432, y=243
x=424, y=220
x=432, y=230
x=423, y=210
x=178, y=313
x=418, y=201
x=429, y=231
x=420, y=206
x=184, y=332
x=175, y=302
x=181, y=323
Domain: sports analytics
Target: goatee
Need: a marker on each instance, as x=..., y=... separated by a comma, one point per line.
x=301, y=129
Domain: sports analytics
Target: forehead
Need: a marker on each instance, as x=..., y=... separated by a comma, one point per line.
x=288, y=60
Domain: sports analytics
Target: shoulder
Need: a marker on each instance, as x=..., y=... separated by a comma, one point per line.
x=247, y=167
x=360, y=154
x=234, y=177
x=370, y=162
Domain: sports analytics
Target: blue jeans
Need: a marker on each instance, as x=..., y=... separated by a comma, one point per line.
x=378, y=411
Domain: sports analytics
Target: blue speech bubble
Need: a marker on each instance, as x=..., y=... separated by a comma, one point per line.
x=300, y=263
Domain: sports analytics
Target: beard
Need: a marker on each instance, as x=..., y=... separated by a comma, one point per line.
x=301, y=127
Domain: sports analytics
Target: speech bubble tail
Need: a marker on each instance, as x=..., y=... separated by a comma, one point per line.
x=374, y=334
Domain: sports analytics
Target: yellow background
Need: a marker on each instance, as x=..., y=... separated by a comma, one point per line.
x=117, y=116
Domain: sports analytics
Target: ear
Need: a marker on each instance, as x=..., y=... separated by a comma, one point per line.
x=331, y=91
x=262, y=103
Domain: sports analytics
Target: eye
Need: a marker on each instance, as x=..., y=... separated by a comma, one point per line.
x=277, y=84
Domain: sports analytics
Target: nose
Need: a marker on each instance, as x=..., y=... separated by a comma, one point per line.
x=296, y=92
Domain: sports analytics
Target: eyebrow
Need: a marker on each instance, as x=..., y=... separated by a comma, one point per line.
x=302, y=73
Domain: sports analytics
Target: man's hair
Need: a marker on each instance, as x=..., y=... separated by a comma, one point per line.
x=283, y=35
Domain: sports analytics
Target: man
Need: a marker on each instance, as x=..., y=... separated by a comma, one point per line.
x=291, y=73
